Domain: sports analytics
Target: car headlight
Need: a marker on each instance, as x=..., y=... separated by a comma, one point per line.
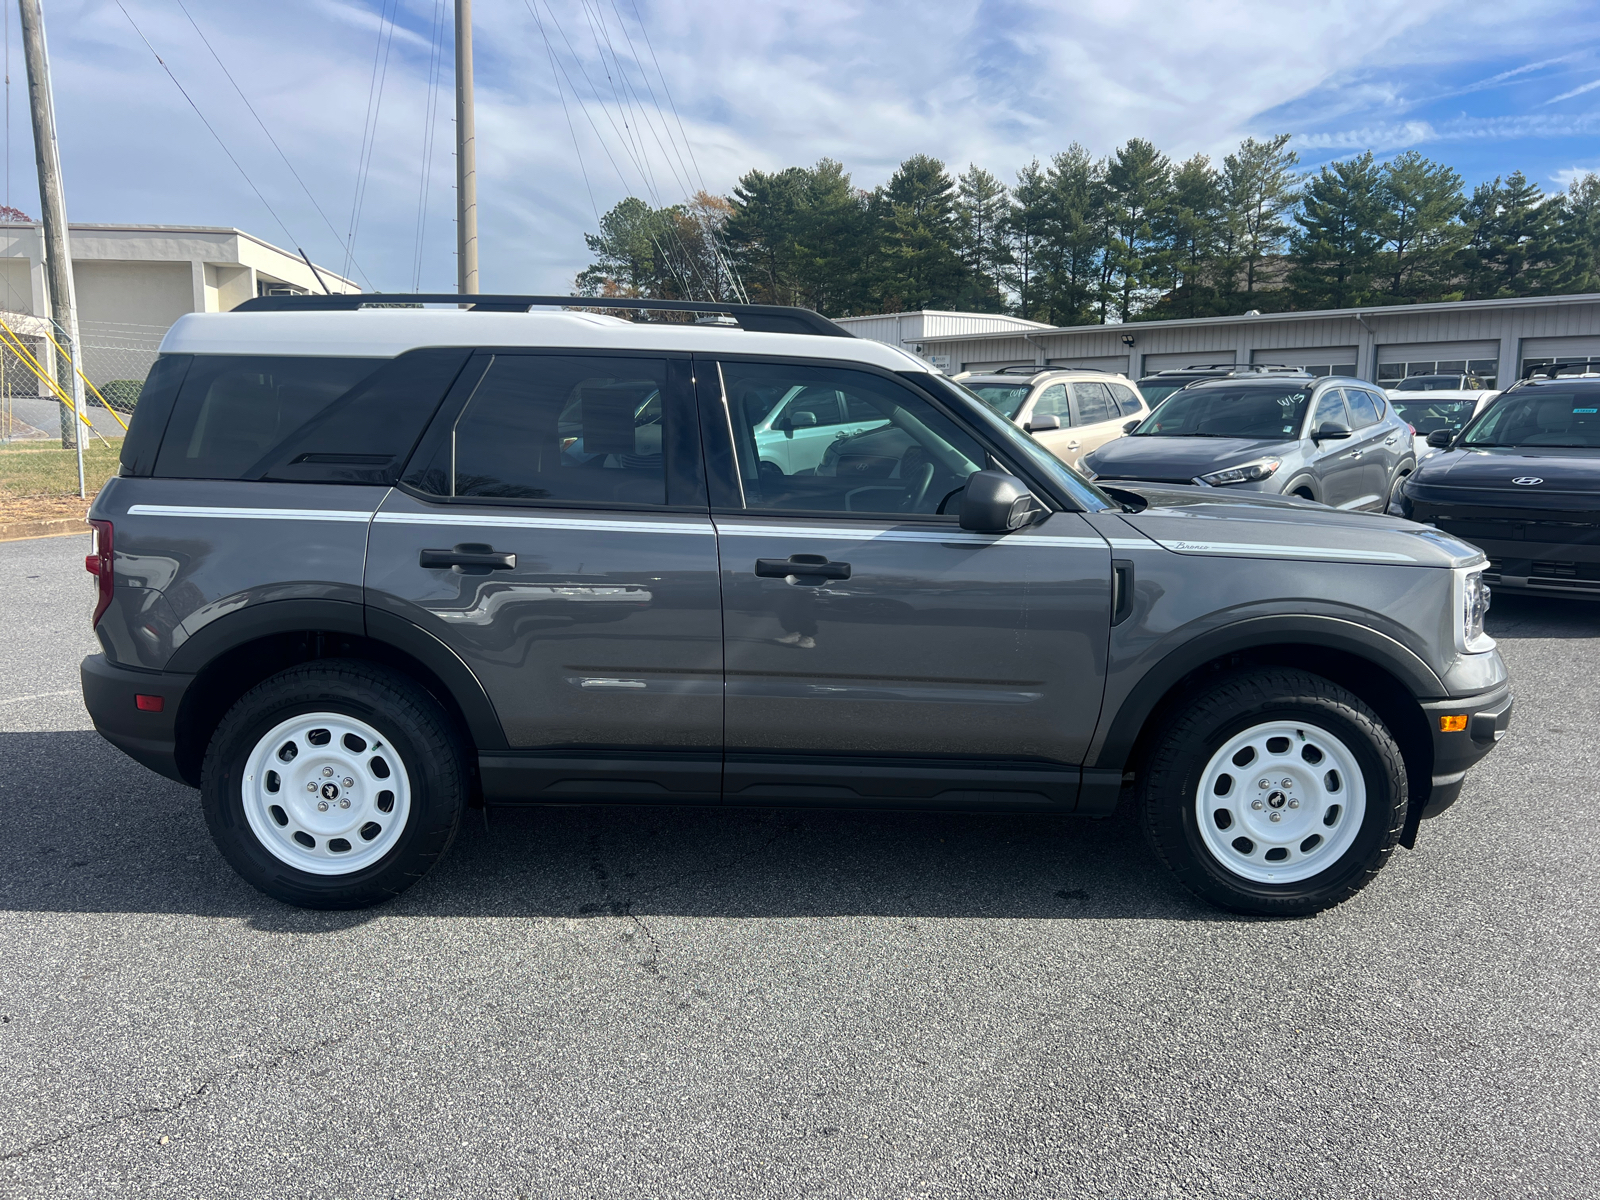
x=1250, y=472
x=1472, y=606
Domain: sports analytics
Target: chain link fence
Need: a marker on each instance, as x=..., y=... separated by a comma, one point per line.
x=38, y=466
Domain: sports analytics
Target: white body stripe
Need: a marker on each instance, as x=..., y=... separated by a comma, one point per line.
x=250, y=514
x=573, y=523
x=849, y=533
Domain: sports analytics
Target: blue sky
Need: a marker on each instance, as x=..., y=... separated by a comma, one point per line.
x=662, y=95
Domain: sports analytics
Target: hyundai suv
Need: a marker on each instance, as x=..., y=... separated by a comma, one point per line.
x=363, y=568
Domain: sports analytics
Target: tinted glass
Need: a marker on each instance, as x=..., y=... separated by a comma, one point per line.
x=1126, y=400
x=1427, y=415
x=1262, y=411
x=911, y=460
x=1053, y=402
x=1094, y=403
x=1363, y=411
x=1431, y=383
x=1539, y=417
x=1330, y=409
x=1005, y=398
x=1155, y=393
x=586, y=430
x=233, y=409
x=149, y=419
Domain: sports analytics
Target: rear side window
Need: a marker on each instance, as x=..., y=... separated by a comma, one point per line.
x=1126, y=400
x=558, y=428
x=1363, y=411
x=233, y=409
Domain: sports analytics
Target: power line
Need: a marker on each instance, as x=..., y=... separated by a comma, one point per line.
x=429, y=128
x=567, y=113
x=271, y=139
x=369, y=124
x=265, y=203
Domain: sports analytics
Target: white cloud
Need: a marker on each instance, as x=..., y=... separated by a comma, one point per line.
x=1577, y=91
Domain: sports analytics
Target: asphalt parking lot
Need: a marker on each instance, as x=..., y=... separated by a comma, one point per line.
x=695, y=1003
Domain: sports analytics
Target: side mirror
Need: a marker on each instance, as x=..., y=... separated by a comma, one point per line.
x=1043, y=423
x=1130, y=426
x=1439, y=439
x=804, y=419
x=995, y=502
x=1330, y=430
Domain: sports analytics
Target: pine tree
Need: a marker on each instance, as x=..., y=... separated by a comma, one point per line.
x=1073, y=249
x=1335, y=250
x=1025, y=238
x=1576, y=237
x=1258, y=187
x=982, y=207
x=1191, y=232
x=1508, y=239
x=922, y=268
x=1421, y=201
x=1138, y=190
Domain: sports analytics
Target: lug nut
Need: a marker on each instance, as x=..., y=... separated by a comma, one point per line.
x=349, y=782
x=311, y=787
x=1288, y=783
x=322, y=806
x=1294, y=804
x=326, y=771
x=1275, y=817
x=344, y=804
x=1257, y=805
x=1266, y=783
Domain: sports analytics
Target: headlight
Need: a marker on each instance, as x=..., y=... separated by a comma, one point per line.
x=1472, y=605
x=1250, y=472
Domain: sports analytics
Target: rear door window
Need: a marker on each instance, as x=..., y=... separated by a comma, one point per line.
x=574, y=429
x=233, y=409
x=1094, y=403
x=1362, y=410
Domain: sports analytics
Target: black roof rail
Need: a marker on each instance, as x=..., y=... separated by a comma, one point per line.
x=1023, y=370
x=758, y=318
x=1552, y=370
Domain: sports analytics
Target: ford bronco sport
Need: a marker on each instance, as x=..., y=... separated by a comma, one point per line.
x=365, y=567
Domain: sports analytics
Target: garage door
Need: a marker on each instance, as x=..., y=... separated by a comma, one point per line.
x=1117, y=364
x=1537, y=352
x=1439, y=358
x=1190, y=358
x=1319, y=360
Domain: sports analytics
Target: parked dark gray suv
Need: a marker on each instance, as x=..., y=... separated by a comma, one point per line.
x=1336, y=441
x=363, y=569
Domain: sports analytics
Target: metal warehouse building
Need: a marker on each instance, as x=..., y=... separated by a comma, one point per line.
x=1498, y=339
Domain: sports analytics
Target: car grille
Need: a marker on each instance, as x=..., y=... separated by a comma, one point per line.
x=1556, y=574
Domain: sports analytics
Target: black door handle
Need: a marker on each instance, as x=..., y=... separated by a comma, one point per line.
x=814, y=566
x=470, y=557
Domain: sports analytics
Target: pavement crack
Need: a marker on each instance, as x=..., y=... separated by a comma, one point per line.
x=653, y=963
x=204, y=1089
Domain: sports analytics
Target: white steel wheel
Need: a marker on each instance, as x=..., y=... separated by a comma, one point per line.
x=324, y=793
x=1280, y=802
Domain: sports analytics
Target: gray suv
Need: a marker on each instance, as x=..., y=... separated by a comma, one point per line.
x=1336, y=441
x=363, y=569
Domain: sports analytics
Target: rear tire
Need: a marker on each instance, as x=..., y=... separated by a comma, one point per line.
x=1274, y=792
x=336, y=784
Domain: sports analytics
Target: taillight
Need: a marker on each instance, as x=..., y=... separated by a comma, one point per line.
x=99, y=564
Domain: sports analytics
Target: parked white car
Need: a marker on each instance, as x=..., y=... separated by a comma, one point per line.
x=1069, y=410
x=1426, y=409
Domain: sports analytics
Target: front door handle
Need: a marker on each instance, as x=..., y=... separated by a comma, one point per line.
x=802, y=567
x=469, y=557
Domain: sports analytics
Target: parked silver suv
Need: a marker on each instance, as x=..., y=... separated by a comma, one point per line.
x=363, y=569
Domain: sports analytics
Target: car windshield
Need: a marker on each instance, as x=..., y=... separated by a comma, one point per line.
x=1237, y=411
x=1005, y=398
x=1432, y=383
x=1155, y=393
x=1427, y=415
x=1539, y=417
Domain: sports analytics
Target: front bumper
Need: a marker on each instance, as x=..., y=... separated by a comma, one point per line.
x=110, y=693
x=1488, y=715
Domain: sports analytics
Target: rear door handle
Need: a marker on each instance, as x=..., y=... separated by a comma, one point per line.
x=468, y=554
x=802, y=566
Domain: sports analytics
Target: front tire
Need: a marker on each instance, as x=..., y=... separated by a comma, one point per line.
x=1274, y=792
x=336, y=784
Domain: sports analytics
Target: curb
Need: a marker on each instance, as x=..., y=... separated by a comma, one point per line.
x=16, y=531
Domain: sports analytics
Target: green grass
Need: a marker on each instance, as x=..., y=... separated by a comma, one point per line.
x=44, y=469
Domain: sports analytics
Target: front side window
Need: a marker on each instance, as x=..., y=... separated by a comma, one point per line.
x=1258, y=412
x=232, y=409
x=1568, y=417
x=1052, y=402
x=1330, y=410
x=909, y=459
x=585, y=430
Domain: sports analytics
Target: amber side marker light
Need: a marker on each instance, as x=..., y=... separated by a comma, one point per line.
x=1452, y=724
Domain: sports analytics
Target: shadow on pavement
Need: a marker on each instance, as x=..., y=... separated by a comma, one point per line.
x=1519, y=615
x=90, y=831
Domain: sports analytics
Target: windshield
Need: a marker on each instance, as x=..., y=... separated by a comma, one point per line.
x=1432, y=383
x=1155, y=393
x=1261, y=412
x=1427, y=415
x=1539, y=417
x=1005, y=398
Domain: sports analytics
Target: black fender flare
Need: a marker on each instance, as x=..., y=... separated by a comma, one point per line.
x=1322, y=632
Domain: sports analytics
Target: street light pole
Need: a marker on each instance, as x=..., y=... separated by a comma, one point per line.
x=466, y=158
x=52, y=199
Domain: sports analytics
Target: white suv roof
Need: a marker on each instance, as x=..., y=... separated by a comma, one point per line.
x=386, y=332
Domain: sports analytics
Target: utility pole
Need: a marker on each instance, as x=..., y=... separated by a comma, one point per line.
x=466, y=158
x=57, y=255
